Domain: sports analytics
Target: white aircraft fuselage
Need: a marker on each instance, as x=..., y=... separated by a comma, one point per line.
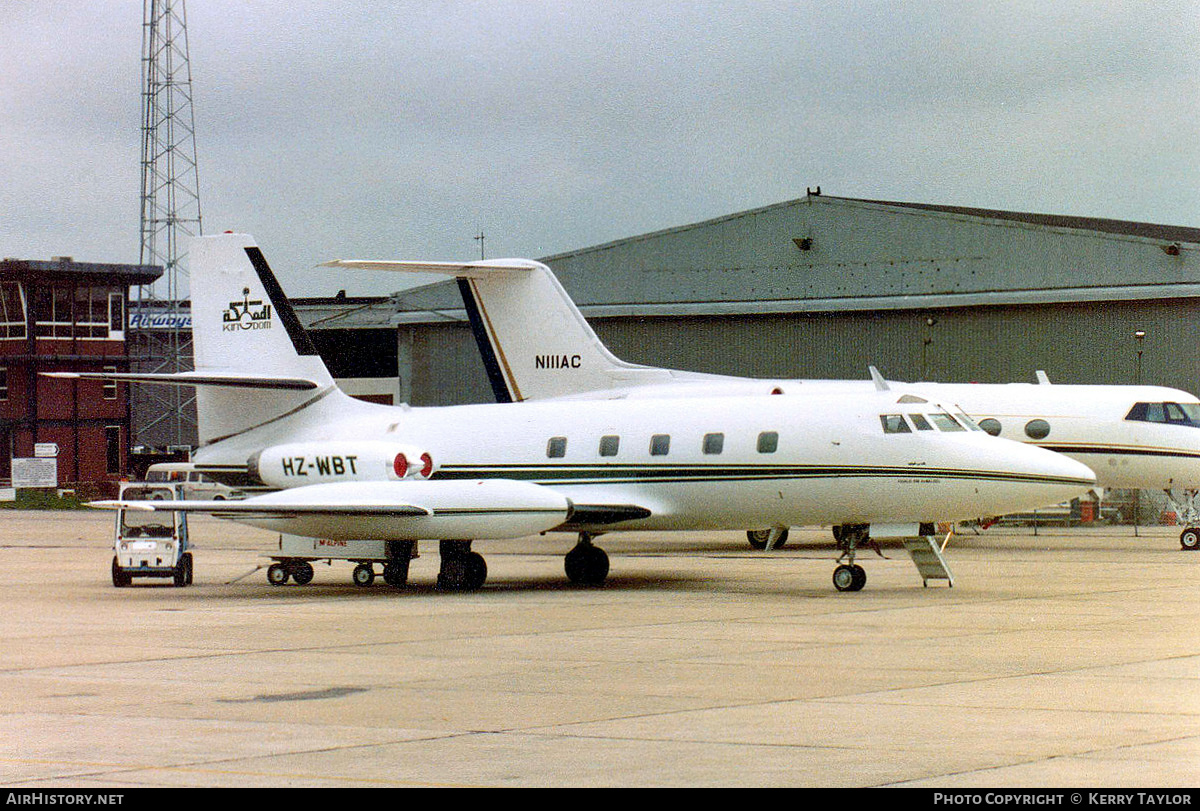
x=708, y=463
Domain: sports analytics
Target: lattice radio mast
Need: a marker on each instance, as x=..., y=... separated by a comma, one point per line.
x=165, y=415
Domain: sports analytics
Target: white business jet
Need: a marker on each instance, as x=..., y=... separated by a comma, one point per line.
x=536, y=345
x=345, y=469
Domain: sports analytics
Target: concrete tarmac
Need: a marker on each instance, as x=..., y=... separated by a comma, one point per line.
x=1070, y=658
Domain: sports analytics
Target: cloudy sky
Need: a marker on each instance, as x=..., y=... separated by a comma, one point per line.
x=403, y=129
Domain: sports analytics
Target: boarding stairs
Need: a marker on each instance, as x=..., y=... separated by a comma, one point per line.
x=927, y=556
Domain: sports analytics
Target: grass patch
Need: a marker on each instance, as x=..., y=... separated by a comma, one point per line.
x=44, y=499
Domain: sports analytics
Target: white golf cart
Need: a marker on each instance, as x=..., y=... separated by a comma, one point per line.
x=151, y=543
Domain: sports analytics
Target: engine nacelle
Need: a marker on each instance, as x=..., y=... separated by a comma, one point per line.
x=303, y=463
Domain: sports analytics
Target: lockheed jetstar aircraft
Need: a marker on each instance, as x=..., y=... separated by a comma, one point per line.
x=269, y=412
x=1137, y=437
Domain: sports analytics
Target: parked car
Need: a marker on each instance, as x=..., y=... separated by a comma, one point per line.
x=193, y=484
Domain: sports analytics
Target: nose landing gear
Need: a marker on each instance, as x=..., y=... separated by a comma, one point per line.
x=849, y=576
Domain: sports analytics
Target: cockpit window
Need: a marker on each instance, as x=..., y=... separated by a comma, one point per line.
x=945, y=422
x=1166, y=413
x=894, y=424
x=967, y=421
x=920, y=421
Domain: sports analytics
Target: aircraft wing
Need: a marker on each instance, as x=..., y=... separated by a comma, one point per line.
x=403, y=510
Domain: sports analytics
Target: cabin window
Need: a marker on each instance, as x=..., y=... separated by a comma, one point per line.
x=991, y=425
x=768, y=442
x=920, y=421
x=1037, y=429
x=660, y=444
x=556, y=448
x=945, y=422
x=609, y=445
x=894, y=424
x=714, y=443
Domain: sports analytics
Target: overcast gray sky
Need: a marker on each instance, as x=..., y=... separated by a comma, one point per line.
x=399, y=130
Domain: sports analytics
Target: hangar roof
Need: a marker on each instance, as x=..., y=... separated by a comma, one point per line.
x=826, y=253
x=1174, y=233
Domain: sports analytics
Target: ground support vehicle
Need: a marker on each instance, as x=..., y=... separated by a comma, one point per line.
x=151, y=543
x=297, y=553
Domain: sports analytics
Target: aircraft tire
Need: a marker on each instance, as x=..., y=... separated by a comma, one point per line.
x=849, y=578
x=464, y=572
x=860, y=577
x=759, y=538
x=395, y=573
x=586, y=565
x=1189, y=539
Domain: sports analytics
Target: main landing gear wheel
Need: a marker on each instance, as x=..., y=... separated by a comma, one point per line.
x=462, y=569
x=395, y=573
x=277, y=575
x=849, y=577
x=760, y=537
x=1189, y=539
x=400, y=556
x=585, y=564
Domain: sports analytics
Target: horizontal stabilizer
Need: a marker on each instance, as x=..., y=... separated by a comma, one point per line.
x=234, y=381
x=459, y=270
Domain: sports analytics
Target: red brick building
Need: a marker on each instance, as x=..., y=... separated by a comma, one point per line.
x=61, y=315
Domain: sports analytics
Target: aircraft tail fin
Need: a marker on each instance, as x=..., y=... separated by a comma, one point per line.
x=534, y=341
x=244, y=328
